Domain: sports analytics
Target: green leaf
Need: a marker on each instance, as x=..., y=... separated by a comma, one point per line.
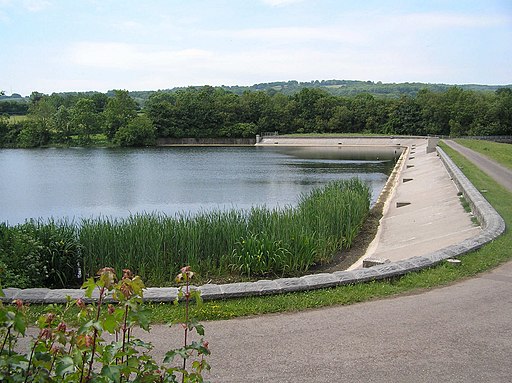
x=19, y=323
x=65, y=365
x=110, y=324
x=196, y=295
x=89, y=286
x=111, y=372
x=142, y=317
x=170, y=355
x=85, y=327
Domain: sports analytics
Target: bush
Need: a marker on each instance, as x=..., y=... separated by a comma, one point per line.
x=139, y=132
x=38, y=254
x=61, y=353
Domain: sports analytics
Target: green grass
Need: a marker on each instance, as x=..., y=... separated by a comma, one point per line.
x=327, y=135
x=496, y=151
x=18, y=118
x=261, y=242
x=486, y=258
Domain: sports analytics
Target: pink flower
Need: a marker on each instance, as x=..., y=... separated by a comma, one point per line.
x=62, y=327
x=80, y=303
x=19, y=303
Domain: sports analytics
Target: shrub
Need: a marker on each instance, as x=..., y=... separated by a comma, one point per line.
x=40, y=254
x=61, y=353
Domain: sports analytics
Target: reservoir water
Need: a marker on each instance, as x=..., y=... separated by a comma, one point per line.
x=83, y=183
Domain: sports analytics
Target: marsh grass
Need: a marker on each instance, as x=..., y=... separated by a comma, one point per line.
x=220, y=245
x=258, y=242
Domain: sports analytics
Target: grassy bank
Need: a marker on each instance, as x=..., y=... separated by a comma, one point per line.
x=496, y=151
x=217, y=244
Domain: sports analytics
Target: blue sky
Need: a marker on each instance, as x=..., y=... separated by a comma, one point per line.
x=78, y=45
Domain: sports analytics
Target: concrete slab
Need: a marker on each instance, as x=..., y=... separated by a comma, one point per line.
x=421, y=215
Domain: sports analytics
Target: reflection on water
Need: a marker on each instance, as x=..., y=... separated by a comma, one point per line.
x=76, y=183
x=349, y=153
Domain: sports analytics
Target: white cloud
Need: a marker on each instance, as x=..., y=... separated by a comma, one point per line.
x=280, y=3
x=129, y=25
x=129, y=56
x=296, y=34
x=439, y=20
x=36, y=5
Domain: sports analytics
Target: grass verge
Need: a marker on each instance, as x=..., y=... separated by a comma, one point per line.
x=488, y=257
x=496, y=151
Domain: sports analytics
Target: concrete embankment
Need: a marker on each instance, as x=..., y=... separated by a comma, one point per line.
x=191, y=141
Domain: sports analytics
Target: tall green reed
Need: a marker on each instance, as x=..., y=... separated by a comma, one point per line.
x=257, y=242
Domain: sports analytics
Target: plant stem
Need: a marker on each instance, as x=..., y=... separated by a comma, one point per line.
x=187, y=301
x=95, y=334
x=30, y=358
x=83, y=367
x=7, y=335
x=125, y=328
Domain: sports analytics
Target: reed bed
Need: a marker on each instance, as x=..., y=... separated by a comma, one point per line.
x=253, y=243
x=258, y=242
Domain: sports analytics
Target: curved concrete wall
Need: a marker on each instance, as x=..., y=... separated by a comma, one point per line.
x=491, y=222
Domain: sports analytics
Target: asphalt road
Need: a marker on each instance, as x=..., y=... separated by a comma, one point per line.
x=458, y=333
x=500, y=173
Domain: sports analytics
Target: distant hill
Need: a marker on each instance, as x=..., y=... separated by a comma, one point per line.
x=353, y=87
x=340, y=88
x=334, y=87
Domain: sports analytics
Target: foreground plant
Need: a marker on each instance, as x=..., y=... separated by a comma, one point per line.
x=60, y=353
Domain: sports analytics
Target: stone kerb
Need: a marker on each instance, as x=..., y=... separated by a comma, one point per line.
x=492, y=224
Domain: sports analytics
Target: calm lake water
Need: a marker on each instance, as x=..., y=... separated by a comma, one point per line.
x=75, y=183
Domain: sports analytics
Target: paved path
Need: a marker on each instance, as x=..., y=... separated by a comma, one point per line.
x=500, y=173
x=459, y=333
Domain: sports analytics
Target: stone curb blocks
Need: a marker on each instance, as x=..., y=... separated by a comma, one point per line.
x=160, y=294
x=491, y=222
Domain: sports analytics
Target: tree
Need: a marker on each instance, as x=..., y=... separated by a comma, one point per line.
x=85, y=120
x=120, y=110
x=161, y=110
x=100, y=101
x=341, y=120
x=4, y=129
x=404, y=117
x=502, y=110
x=41, y=112
x=62, y=122
x=138, y=132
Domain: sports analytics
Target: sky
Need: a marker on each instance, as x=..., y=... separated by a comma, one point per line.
x=82, y=45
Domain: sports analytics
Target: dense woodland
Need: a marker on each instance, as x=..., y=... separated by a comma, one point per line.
x=122, y=118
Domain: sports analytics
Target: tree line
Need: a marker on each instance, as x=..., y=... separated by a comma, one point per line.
x=204, y=112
